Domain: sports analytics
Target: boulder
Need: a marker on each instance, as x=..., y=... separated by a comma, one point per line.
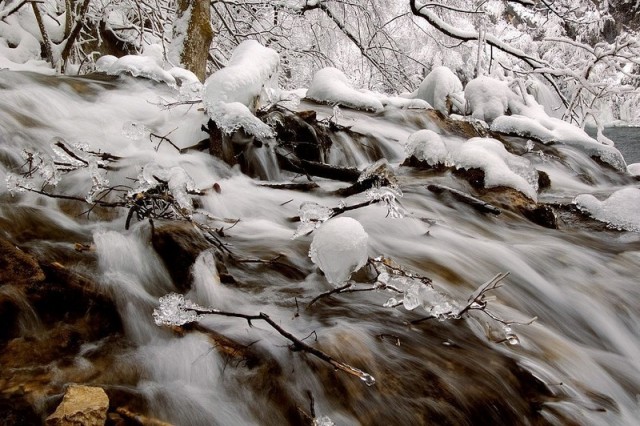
x=81, y=405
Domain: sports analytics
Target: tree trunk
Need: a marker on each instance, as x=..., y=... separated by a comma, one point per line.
x=192, y=35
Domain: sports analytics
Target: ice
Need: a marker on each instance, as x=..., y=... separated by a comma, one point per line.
x=134, y=130
x=330, y=85
x=323, y=421
x=500, y=167
x=247, y=78
x=175, y=310
x=438, y=86
x=427, y=145
x=381, y=173
x=620, y=210
x=414, y=296
x=98, y=181
x=312, y=215
x=339, y=248
x=234, y=115
x=634, y=169
x=179, y=183
x=389, y=196
x=510, y=336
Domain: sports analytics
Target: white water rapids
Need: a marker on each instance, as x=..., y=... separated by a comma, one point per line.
x=581, y=284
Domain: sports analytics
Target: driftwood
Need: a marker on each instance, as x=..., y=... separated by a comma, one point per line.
x=314, y=168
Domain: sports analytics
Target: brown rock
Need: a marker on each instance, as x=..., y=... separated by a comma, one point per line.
x=17, y=266
x=81, y=405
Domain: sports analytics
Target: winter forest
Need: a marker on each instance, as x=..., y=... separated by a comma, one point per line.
x=319, y=212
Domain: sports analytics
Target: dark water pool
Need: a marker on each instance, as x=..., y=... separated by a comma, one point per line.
x=627, y=140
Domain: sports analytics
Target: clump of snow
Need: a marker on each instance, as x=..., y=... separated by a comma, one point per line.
x=339, y=248
x=104, y=62
x=489, y=98
x=437, y=86
x=234, y=115
x=620, y=210
x=137, y=66
x=500, y=167
x=427, y=145
x=246, y=79
x=634, y=169
x=330, y=85
x=183, y=76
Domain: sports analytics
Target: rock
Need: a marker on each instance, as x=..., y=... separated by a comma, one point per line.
x=542, y=215
x=544, y=182
x=16, y=266
x=179, y=245
x=81, y=405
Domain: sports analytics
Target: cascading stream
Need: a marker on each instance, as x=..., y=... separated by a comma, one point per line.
x=581, y=283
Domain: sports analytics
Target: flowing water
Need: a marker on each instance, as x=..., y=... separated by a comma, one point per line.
x=579, y=363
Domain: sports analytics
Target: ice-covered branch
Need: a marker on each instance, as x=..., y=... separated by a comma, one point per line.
x=175, y=310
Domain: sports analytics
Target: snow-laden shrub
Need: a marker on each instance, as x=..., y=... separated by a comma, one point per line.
x=488, y=98
x=437, y=86
x=330, y=85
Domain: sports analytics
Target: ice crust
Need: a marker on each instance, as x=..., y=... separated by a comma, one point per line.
x=339, y=248
x=440, y=83
x=330, y=85
x=620, y=210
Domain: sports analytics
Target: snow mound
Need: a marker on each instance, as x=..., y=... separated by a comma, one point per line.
x=339, y=248
x=620, y=210
x=500, y=167
x=634, y=169
x=489, y=98
x=247, y=79
x=137, y=66
x=330, y=85
x=437, y=86
x=404, y=103
x=427, y=145
x=232, y=116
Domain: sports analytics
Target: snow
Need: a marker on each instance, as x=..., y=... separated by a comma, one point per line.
x=247, y=78
x=437, y=86
x=427, y=145
x=138, y=66
x=620, y=210
x=634, y=169
x=331, y=86
x=500, y=167
x=339, y=248
x=234, y=115
x=489, y=98
x=535, y=123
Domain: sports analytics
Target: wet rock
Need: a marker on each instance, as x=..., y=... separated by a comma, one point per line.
x=412, y=161
x=179, y=245
x=16, y=266
x=81, y=405
x=544, y=182
x=542, y=215
x=474, y=176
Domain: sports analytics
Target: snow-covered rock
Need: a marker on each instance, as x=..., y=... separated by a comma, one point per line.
x=427, y=145
x=620, y=210
x=500, y=167
x=339, y=248
x=137, y=66
x=247, y=79
x=330, y=85
x=439, y=84
x=489, y=98
x=232, y=116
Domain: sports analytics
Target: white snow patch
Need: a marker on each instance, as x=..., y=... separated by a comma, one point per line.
x=437, y=86
x=248, y=78
x=330, y=85
x=489, y=98
x=500, y=167
x=140, y=66
x=634, y=169
x=427, y=145
x=339, y=248
x=620, y=210
x=234, y=115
